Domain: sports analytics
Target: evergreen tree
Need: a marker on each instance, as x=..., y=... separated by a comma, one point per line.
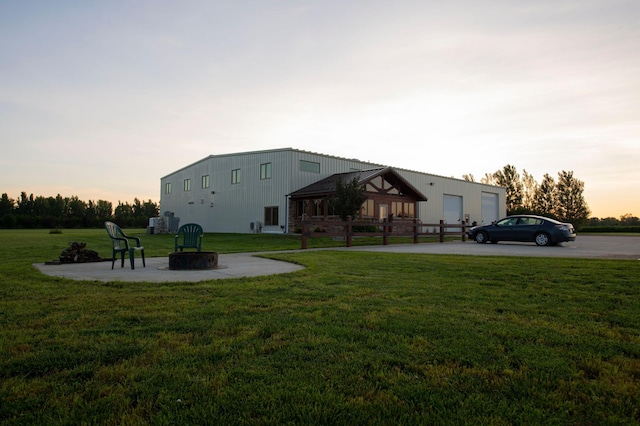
x=544, y=201
x=104, y=211
x=57, y=209
x=6, y=205
x=150, y=209
x=570, y=203
x=488, y=179
x=123, y=214
x=348, y=199
x=529, y=189
x=26, y=204
x=76, y=216
x=509, y=179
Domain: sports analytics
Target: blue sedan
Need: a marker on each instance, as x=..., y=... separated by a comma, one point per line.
x=526, y=228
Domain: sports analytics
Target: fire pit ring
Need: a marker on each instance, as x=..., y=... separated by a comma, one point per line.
x=193, y=260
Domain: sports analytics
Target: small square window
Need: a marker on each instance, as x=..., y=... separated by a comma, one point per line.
x=265, y=171
x=167, y=188
x=187, y=185
x=235, y=176
x=205, y=181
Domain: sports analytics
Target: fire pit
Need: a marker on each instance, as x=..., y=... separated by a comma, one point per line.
x=193, y=260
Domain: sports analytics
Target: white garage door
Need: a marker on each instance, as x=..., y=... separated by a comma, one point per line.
x=489, y=208
x=453, y=211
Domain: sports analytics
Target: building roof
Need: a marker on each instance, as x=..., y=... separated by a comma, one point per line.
x=327, y=186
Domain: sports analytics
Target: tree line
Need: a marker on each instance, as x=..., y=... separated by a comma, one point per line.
x=28, y=211
x=626, y=223
x=562, y=199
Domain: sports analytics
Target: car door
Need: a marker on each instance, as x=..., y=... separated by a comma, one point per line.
x=524, y=229
x=503, y=229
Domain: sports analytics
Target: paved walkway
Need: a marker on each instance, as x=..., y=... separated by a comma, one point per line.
x=248, y=265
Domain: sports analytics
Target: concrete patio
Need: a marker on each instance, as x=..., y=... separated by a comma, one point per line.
x=157, y=269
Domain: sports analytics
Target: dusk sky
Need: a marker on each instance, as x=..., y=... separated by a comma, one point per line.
x=100, y=99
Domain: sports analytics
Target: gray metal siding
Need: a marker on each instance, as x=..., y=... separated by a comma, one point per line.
x=436, y=187
x=233, y=207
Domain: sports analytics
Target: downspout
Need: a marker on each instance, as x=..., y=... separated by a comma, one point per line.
x=286, y=215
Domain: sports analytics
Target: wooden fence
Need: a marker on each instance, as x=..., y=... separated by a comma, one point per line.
x=350, y=228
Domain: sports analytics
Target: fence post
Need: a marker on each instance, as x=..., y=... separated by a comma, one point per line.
x=304, y=234
x=415, y=231
x=349, y=233
x=385, y=233
x=464, y=231
x=441, y=231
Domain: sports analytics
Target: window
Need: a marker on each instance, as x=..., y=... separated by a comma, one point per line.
x=167, y=188
x=396, y=208
x=309, y=166
x=529, y=221
x=510, y=221
x=403, y=209
x=205, y=181
x=271, y=216
x=187, y=185
x=235, y=176
x=265, y=171
x=317, y=208
x=367, y=209
x=312, y=207
x=410, y=210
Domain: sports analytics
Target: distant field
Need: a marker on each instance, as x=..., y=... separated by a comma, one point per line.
x=355, y=338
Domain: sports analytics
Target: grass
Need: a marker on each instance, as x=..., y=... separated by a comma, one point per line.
x=355, y=338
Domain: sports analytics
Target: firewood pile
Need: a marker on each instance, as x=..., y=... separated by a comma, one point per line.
x=77, y=253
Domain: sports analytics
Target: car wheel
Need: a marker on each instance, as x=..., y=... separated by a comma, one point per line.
x=542, y=239
x=481, y=237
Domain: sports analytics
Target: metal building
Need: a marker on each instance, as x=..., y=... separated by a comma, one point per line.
x=250, y=191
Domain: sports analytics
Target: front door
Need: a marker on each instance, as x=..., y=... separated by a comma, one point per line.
x=383, y=211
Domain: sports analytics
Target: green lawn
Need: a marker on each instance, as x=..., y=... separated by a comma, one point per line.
x=355, y=338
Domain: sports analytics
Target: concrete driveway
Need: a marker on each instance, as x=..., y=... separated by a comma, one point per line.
x=585, y=246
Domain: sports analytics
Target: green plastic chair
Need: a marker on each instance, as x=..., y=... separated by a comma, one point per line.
x=121, y=245
x=191, y=237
